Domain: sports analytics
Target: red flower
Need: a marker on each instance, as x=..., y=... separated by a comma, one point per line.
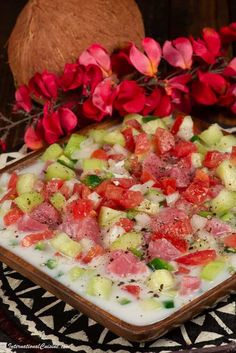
x=104, y=95
x=3, y=145
x=158, y=103
x=90, y=111
x=130, y=98
x=23, y=100
x=98, y=56
x=229, y=98
x=208, y=48
x=72, y=77
x=32, y=138
x=92, y=76
x=230, y=69
x=208, y=87
x=120, y=62
x=228, y=33
x=68, y=119
x=44, y=85
x=146, y=64
x=178, y=53
x=177, y=89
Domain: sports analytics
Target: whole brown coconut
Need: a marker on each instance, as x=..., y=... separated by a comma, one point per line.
x=49, y=33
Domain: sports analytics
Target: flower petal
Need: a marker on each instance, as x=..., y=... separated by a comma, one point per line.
x=172, y=55
x=104, y=95
x=153, y=51
x=32, y=139
x=230, y=70
x=184, y=46
x=90, y=111
x=23, y=100
x=96, y=55
x=140, y=61
x=52, y=127
x=215, y=81
x=203, y=94
x=212, y=39
x=72, y=77
x=228, y=33
x=200, y=49
x=151, y=101
x=164, y=108
x=68, y=119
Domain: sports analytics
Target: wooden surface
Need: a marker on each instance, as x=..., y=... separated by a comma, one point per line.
x=163, y=19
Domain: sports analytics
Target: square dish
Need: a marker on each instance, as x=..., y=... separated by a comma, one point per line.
x=137, y=308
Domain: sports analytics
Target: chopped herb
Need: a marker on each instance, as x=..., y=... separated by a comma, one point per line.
x=169, y=304
x=131, y=214
x=136, y=252
x=195, y=138
x=40, y=246
x=13, y=242
x=51, y=263
x=148, y=118
x=92, y=180
x=124, y=301
x=230, y=250
x=205, y=214
x=60, y=274
x=158, y=264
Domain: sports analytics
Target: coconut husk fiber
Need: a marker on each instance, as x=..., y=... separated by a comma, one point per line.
x=50, y=33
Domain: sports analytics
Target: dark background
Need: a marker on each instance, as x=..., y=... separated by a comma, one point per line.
x=162, y=18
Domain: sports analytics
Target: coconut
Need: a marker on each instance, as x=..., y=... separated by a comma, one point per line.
x=49, y=33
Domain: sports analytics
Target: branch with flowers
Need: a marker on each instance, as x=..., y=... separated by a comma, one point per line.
x=183, y=73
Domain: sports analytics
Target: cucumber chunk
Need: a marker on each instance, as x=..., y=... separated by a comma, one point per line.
x=65, y=245
x=73, y=144
x=127, y=241
x=100, y=287
x=97, y=135
x=226, y=143
x=52, y=152
x=66, y=161
x=202, y=149
x=108, y=216
x=148, y=207
x=58, y=200
x=150, y=304
x=212, y=135
x=93, y=164
x=226, y=171
x=212, y=270
x=58, y=171
x=151, y=126
x=27, y=201
x=113, y=138
x=223, y=202
x=161, y=280
x=76, y=272
x=25, y=183
x=137, y=117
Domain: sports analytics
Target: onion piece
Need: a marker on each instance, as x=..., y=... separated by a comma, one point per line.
x=111, y=234
x=198, y=222
x=87, y=147
x=143, y=188
x=172, y=198
x=142, y=221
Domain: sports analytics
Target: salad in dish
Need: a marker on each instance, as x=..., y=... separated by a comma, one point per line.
x=138, y=218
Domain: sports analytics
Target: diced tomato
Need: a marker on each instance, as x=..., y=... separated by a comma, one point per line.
x=132, y=289
x=189, y=284
x=184, y=148
x=12, y=181
x=131, y=199
x=202, y=176
x=164, y=141
x=178, y=242
x=142, y=144
x=164, y=249
x=34, y=238
x=66, y=191
x=93, y=252
x=82, y=190
x=100, y=154
x=213, y=159
x=51, y=187
x=116, y=157
x=125, y=183
x=125, y=264
x=108, y=203
x=146, y=176
x=125, y=223
x=113, y=192
x=230, y=241
x=101, y=188
x=135, y=167
x=168, y=185
x=10, y=195
x=129, y=139
x=233, y=155
x=177, y=123
x=217, y=227
x=12, y=216
x=197, y=258
x=134, y=123
x=196, y=192
x=81, y=208
x=182, y=270
x=28, y=224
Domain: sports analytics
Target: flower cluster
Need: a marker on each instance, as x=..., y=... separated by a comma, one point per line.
x=153, y=81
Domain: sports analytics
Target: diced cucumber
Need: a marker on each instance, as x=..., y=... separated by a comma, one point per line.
x=76, y=272
x=158, y=264
x=66, y=161
x=196, y=159
x=52, y=152
x=108, y=216
x=51, y=263
x=131, y=214
x=92, y=180
x=186, y=129
x=201, y=147
x=59, y=171
x=161, y=280
x=98, y=135
x=25, y=183
x=93, y=164
x=169, y=304
x=226, y=143
x=124, y=301
x=226, y=171
x=73, y=144
x=100, y=287
x=113, y=138
x=127, y=241
x=223, y=202
x=65, y=245
x=148, y=207
x=40, y=246
x=27, y=201
x=136, y=252
x=229, y=217
x=212, y=135
x=151, y=126
x=212, y=270
x=133, y=117
x=58, y=200
x=205, y=214
x=150, y=304
x=168, y=120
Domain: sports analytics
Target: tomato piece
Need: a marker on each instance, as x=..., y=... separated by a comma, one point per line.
x=135, y=167
x=134, y=123
x=132, y=289
x=196, y=193
x=12, y=181
x=126, y=223
x=10, y=195
x=125, y=183
x=177, y=123
x=168, y=185
x=164, y=141
x=131, y=199
x=82, y=190
x=178, y=228
x=129, y=139
x=182, y=270
x=66, y=191
x=184, y=148
x=197, y=258
x=100, y=154
x=93, y=252
x=233, y=155
x=146, y=176
x=213, y=159
x=12, y=216
x=230, y=241
x=34, y=238
x=81, y=208
x=178, y=242
x=142, y=144
x=201, y=176
x=114, y=193
x=101, y=189
x=116, y=157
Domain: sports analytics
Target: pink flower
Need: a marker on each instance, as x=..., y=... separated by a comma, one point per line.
x=23, y=100
x=158, y=103
x=208, y=48
x=32, y=138
x=146, y=64
x=120, y=62
x=178, y=90
x=92, y=76
x=178, y=53
x=96, y=55
x=228, y=33
x=44, y=86
x=72, y=77
x=130, y=98
x=104, y=95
